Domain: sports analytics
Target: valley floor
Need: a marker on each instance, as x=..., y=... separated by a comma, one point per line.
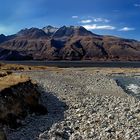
x=83, y=104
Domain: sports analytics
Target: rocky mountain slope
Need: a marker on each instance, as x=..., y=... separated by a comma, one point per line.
x=66, y=43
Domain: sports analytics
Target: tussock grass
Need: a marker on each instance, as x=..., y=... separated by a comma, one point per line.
x=10, y=80
x=16, y=67
x=109, y=70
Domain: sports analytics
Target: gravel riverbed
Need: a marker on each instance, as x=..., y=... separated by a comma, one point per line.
x=81, y=106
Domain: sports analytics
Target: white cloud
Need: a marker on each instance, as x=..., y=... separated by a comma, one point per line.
x=99, y=27
x=86, y=21
x=94, y=20
x=101, y=20
x=74, y=17
x=137, y=5
x=126, y=29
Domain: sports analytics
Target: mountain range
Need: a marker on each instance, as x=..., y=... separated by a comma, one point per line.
x=67, y=43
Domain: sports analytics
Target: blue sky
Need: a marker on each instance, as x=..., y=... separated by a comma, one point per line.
x=111, y=17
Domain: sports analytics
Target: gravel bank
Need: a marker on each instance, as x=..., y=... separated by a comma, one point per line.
x=82, y=106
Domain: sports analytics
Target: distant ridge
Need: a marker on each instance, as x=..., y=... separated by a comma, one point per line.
x=67, y=43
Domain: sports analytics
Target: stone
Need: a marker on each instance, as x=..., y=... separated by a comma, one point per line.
x=109, y=129
x=111, y=116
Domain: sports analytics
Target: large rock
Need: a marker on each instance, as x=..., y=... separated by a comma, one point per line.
x=17, y=101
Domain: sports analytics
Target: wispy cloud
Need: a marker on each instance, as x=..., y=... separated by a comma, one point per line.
x=92, y=19
x=137, y=5
x=74, y=17
x=126, y=29
x=86, y=21
x=99, y=27
x=101, y=20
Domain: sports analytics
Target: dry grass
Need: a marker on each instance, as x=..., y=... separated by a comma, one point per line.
x=118, y=70
x=15, y=67
x=11, y=80
x=7, y=79
x=109, y=70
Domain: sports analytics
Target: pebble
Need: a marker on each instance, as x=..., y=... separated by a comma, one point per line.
x=96, y=108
